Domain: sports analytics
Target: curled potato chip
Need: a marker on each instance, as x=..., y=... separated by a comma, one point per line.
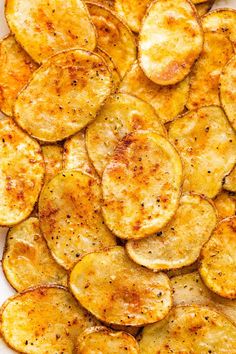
x=203, y=8
x=180, y=242
x=44, y=28
x=207, y=145
x=190, y=329
x=168, y=101
x=27, y=261
x=141, y=185
x=170, y=41
x=204, y=78
x=122, y=114
x=21, y=172
x=230, y=181
x=114, y=37
x=70, y=217
x=225, y=204
x=116, y=290
x=63, y=95
x=44, y=320
x=218, y=259
x=113, y=69
x=52, y=155
x=103, y=340
x=16, y=67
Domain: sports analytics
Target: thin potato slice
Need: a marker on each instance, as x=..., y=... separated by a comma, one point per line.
x=207, y=145
x=44, y=320
x=204, y=78
x=218, y=260
x=63, y=95
x=116, y=290
x=98, y=340
x=70, y=217
x=114, y=37
x=141, y=185
x=230, y=181
x=21, y=173
x=170, y=41
x=203, y=8
x=44, y=28
x=113, y=69
x=168, y=101
x=180, y=242
x=53, y=155
x=16, y=67
x=190, y=329
x=225, y=204
x=122, y=114
x=27, y=261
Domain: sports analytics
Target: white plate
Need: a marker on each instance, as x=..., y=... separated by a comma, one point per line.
x=5, y=288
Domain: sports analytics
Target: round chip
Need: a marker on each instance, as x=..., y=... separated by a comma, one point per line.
x=102, y=340
x=113, y=69
x=180, y=242
x=21, y=173
x=16, y=67
x=27, y=261
x=190, y=329
x=70, y=217
x=230, y=181
x=122, y=114
x=207, y=145
x=64, y=95
x=44, y=320
x=218, y=260
x=116, y=290
x=225, y=204
x=52, y=155
x=44, y=28
x=170, y=41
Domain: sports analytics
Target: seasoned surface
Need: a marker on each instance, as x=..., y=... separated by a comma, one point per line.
x=230, y=181
x=225, y=204
x=111, y=66
x=52, y=155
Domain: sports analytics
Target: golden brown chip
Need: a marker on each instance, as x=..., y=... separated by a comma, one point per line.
x=170, y=41
x=230, y=181
x=207, y=145
x=116, y=290
x=52, y=155
x=203, y=8
x=64, y=95
x=113, y=69
x=225, y=204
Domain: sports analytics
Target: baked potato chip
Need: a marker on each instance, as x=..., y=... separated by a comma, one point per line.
x=207, y=145
x=66, y=91
x=122, y=114
x=141, y=185
x=225, y=204
x=27, y=261
x=189, y=289
x=53, y=155
x=218, y=260
x=113, y=69
x=114, y=37
x=190, y=329
x=44, y=28
x=180, y=242
x=228, y=90
x=170, y=41
x=44, y=320
x=230, y=181
x=16, y=67
x=168, y=101
x=103, y=340
x=204, y=78
x=203, y=8
x=21, y=173
x=116, y=290
x=70, y=217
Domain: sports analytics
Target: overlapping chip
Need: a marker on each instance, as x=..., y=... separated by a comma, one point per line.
x=230, y=181
x=113, y=69
x=225, y=203
x=53, y=155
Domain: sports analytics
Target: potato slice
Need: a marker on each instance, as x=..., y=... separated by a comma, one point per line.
x=207, y=145
x=190, y=329
x=15, y=70
x=170, y=41
x=230, y=181
x=21, y=173
x=44, y=28
x=116, y=290
x=122, y=114
x=168, y=101
x=113, y=36
x=113, y=69
x=70, y=217
x=102, y=340
x=203, y=8
x=141, y=185
x=44, y=320
x=218, y=260
x=52, y=155
x=189, y=289
x=67, y=91
x=204, y=78
x=228, y=90
x=27, y=261
x=225, y=204
x=180, y=242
